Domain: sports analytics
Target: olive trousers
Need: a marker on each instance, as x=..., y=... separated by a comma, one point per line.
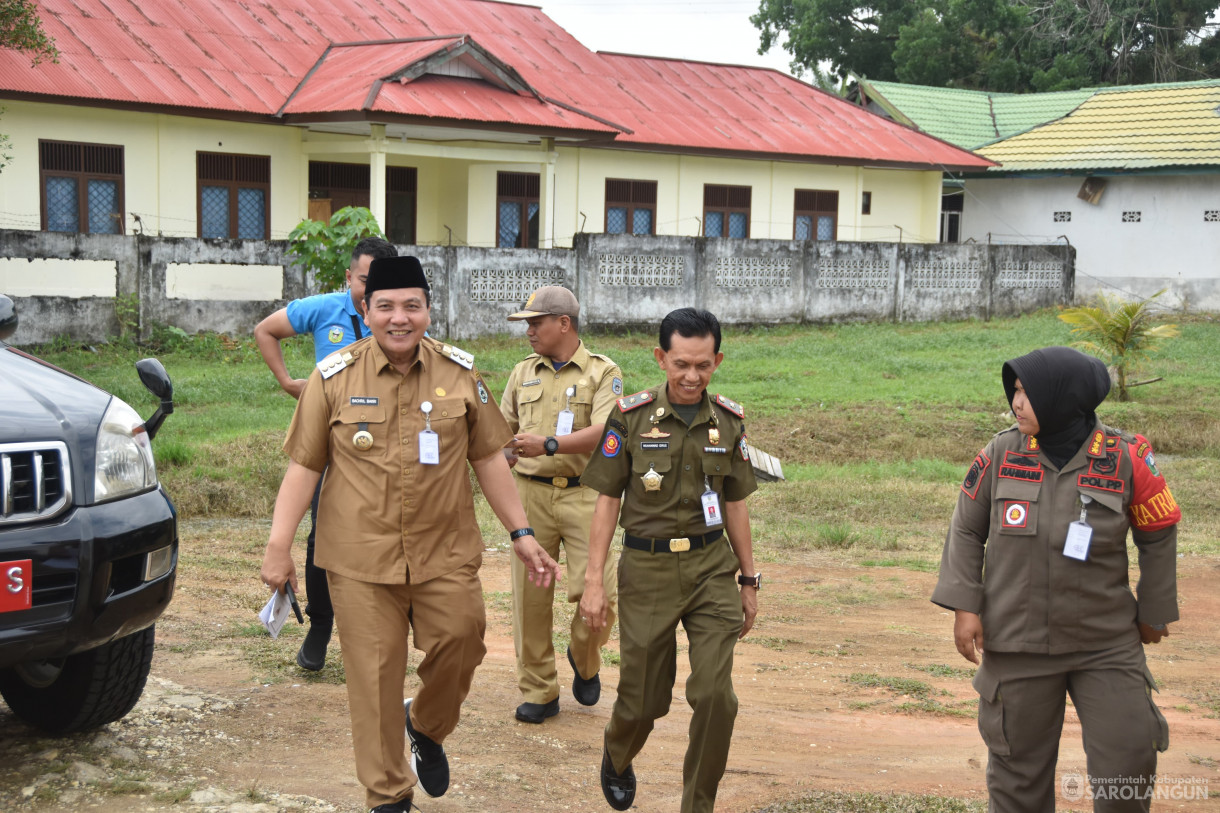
x=658, y=591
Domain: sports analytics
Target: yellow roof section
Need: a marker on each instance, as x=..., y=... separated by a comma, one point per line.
x=1140, y=127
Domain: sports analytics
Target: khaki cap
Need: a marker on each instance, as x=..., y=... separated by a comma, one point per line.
x=550, y=300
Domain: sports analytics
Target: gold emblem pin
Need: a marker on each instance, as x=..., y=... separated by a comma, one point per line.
x=660, y=411
x=582, y=382
x=654, y=432
x=713, y=436
x=363, y=440
x=440, y=392
x=652, y=480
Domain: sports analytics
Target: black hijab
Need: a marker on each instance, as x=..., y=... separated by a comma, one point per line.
x=1064, y=387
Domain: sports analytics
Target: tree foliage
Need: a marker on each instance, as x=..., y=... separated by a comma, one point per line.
x=999, y=45
x=21, y=30
x=1122, y=334
x=326, y=248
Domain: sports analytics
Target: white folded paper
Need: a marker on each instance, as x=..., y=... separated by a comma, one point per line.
x=275, y=612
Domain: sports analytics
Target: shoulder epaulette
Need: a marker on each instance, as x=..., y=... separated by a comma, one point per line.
x=630, y=402
x=732, y=406
x=333, y=363
x=458, y=356
x=603, y=357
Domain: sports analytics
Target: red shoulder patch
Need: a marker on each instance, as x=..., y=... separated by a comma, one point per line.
x=630, y=402
x=731, y=405
x=1152, y=505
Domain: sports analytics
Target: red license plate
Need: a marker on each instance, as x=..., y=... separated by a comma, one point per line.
x=16, y=584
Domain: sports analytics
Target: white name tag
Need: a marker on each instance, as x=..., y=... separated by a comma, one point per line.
x=711, y=509
x=1077, y=544
x=563, y=426
x=429, y=448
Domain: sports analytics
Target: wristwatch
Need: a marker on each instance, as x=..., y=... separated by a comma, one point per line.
x=520, y=532
x=551, y=445
x=754, y=581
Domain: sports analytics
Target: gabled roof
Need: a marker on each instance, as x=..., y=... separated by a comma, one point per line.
x=502, y=66
x=969, y=118
x=1127, y=128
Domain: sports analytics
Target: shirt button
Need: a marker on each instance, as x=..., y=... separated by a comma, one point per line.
x=404, y=412
x=688, y=467
x=363, y=418
x=684, y=502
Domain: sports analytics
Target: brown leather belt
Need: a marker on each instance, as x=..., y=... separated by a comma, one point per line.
x=677, y=545
x=558, y=482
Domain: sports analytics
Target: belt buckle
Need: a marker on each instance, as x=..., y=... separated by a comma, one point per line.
x=679, y=545
x=559, y=482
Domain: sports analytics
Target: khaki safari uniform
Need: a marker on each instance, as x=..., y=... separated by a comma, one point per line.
x=1053, y=624
x=684, y=575
x=559, y=508
x=399, y=538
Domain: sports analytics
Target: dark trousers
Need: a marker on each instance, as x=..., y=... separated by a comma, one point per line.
x=317, y=591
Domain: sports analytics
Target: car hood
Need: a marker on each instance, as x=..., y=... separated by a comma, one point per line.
x=39, y=402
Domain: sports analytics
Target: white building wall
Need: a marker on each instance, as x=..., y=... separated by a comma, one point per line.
x=1175, y=243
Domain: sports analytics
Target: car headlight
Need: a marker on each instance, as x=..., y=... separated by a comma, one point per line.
x=124, y=460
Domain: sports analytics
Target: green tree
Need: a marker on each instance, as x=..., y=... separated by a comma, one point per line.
x=1122, y=334
x=21, y=30
x=326, y=248
x=997, y=45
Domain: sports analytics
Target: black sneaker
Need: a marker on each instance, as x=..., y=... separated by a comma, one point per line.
x=428, y=759
x=312, y=654
x=618, y=788
x=585, y=690
x=401, y=806
x=537, y=712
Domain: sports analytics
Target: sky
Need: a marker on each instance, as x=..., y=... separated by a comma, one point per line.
x=711, y=31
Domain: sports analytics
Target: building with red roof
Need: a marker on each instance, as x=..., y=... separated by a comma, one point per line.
x=456, y=121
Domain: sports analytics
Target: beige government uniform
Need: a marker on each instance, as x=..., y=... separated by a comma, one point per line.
x=559, y=508
x=398, y=538
x=686, y=576
x=1054, y=625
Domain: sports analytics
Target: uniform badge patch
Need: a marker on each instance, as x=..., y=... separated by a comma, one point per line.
x=970, y=486
x=1096, y=443
x=616, y=385
x=482, y=391
x=1031, y=443
x=612, y=444
x=1150, y=461
x=335, y=336
x=1016, y=513
x=654, y=432
x=743, y=448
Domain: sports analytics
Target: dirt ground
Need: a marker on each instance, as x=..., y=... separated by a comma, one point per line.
x=819, y=682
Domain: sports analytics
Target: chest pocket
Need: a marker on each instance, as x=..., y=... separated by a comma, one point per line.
x=449, y=422
x=582, y=406
x=717, y=466
x=1014, y=511
x=531, y=410
x=658, y=460
x=1107, y=517
x=349, y=421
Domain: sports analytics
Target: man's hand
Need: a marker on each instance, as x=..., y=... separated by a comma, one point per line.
x=541, y=568
x=278, y=568
x=294, y=387
x=1150, y=636
x=749, y=609
x=525, y=445
x=593, y=606
x=968, y=634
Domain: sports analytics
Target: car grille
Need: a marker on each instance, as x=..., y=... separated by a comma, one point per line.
x=35, y=481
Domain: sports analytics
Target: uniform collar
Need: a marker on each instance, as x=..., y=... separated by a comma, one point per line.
x=381, y=361
x=703, y=414
x=580, y=359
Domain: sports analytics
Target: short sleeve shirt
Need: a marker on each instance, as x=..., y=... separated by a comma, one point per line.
x=383, y=516
x=643, y=434
x=536, y=393
x=328, y=317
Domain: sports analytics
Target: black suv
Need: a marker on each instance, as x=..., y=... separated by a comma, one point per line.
x=88, y=541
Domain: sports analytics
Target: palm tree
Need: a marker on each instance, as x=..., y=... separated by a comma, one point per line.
x=1122, y=334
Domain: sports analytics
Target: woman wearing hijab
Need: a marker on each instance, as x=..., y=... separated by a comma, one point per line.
x=1035, y=568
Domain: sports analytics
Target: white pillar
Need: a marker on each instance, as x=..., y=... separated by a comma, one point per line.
x=377, y=144
x=546, y=196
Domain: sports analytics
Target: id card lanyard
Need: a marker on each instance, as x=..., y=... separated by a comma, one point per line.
x=563, y=426
x=429, y=441
x=1080, y=533
x=711, y=506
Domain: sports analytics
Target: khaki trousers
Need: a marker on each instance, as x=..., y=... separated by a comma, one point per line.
x=1021, y=707
x=559, y=516
x=658, y=591
x=448, y=620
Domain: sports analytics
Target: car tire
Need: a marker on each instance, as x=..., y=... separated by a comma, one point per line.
x=91, y=688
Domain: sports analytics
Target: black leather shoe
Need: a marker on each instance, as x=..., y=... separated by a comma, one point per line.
x=312, y=654
x=537, y=712
x=428, y=759
x=585, y=690
x=404, y=805
x=619, y=789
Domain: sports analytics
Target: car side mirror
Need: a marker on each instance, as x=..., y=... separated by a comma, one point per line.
x=156, y=380
x=8, y=317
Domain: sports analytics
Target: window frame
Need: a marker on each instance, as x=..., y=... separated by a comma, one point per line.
x=82, y=177
x=518, y=188
x=816, y=203
x=640, y=194
x=727, y=199
x=233, y=184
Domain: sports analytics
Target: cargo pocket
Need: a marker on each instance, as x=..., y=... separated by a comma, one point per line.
x=991, y=711
x=643, y=463
x=1015, y=508
x=1160, y=728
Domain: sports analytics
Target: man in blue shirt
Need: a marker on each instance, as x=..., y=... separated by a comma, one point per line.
x=335, y=320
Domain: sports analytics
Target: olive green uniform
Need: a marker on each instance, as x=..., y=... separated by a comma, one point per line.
x=1054, y=625
x=559, y=508
x=685, y=577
